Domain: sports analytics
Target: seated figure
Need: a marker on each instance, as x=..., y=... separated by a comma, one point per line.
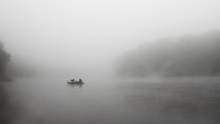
x=80, y=80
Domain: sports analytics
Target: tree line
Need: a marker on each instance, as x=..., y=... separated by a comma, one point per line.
x=188, y=55
x=4, y=60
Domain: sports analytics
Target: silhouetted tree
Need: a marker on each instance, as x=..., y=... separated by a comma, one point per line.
x=4, y=59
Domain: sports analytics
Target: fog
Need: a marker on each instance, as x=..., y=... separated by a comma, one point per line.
x=90, y=34
x=50, y=42
x=189, y=55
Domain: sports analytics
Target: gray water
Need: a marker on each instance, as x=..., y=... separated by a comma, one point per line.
x=51, y=100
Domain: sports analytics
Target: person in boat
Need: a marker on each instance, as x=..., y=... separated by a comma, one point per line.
x=80, y=80
x=73, y=80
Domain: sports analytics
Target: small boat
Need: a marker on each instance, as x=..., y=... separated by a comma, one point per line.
x=78, y=83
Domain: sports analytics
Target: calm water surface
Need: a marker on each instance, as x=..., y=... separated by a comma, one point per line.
x=53, y=101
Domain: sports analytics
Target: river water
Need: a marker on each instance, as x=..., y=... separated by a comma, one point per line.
x=50, y=100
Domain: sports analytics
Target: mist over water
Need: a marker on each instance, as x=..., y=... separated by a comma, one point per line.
x=171, y=81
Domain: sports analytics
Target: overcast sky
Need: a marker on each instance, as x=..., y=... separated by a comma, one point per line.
x=88, y=33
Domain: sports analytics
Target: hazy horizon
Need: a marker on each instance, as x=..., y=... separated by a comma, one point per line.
x=66, y=39
x=86, y=34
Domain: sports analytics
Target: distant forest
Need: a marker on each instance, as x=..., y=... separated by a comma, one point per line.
x=4, y=59
x=184, y=56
